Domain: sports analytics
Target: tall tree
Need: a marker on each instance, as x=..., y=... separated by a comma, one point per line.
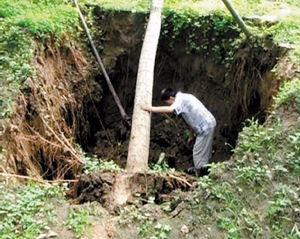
x=138, y=152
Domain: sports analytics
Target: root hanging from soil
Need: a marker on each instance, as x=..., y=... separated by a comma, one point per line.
x=248, y=73
x=42, y=143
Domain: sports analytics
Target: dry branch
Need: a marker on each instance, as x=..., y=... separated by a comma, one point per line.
x=8, y=175
x=110, y=86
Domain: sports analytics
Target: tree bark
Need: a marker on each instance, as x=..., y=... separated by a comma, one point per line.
x=110, y=86
x=238, y=19
x=138, y=152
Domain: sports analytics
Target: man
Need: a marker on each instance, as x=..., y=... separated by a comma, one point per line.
x=197, y=117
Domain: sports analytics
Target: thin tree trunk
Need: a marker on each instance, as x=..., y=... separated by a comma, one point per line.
x=110, y=86
x=138, y=152
x=237, y=17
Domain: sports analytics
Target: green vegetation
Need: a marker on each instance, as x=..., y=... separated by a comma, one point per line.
x=26, y=211
x=81, y=217
x=22, y=23
x=285, y=14
x=256, y=194
x=93, y=164
x=289, y=94
x=223, y=33
x=40, y=18
x=161, y=165
x=148, y=226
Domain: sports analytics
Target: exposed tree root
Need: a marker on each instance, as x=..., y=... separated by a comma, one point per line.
x=41, y=140
x=104, y=186
x=250, y=89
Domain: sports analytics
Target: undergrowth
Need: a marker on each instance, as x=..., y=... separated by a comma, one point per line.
x=289, y=94
x=39, y=210
x=79, y=218
x=94, y=164
x=256, y=194
x=23, y=24
x=148, y=226
x=26, y=211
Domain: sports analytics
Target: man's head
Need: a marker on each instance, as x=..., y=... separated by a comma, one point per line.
x=168, y=95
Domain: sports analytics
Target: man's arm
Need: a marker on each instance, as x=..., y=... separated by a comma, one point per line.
x=158, y=109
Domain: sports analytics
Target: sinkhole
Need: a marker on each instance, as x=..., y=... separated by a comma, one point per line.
x=230, y=75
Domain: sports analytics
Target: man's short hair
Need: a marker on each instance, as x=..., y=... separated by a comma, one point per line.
x=166, y=93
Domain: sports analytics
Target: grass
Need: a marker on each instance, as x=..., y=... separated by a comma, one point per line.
x=40, y=18
x=26, y=211
x=22, y=23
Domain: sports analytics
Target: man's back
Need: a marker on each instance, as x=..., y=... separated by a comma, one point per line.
x=194, y=113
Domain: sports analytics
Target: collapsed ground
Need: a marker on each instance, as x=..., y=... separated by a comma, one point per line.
x=193, y=65
x=69, y=102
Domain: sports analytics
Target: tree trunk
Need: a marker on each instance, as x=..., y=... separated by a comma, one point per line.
x=138, y=152
x=110, y=86
x=238, y=19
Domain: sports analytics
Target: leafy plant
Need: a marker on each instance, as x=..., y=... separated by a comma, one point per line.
x=93, y=164
x=20, y=206
x=161, y=165
x=229, y=225
x=289, y=94
x=161, y=231
x=78, y=219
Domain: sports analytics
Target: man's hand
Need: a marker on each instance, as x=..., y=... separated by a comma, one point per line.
x=146, y=108
x=158, y=109
x=191, y=136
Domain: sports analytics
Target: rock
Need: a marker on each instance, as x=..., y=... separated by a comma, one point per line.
x=49, y=234
x=42, y=236
x=184, y=229
x=52, y=234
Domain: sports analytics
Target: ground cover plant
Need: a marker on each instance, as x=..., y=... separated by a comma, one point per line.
x=23, y=24
x=27, y=210
x=39, y=210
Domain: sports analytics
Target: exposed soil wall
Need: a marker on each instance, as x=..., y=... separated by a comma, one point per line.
x=48, y=115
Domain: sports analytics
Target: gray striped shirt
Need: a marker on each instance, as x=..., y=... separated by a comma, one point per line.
x=194, y=113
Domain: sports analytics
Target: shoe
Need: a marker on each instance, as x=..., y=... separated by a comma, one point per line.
x=203, y=171
x=198, y=172
x=191, y=171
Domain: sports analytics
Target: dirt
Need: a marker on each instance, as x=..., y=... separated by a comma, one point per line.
x=104, y=228
x=100, y=187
